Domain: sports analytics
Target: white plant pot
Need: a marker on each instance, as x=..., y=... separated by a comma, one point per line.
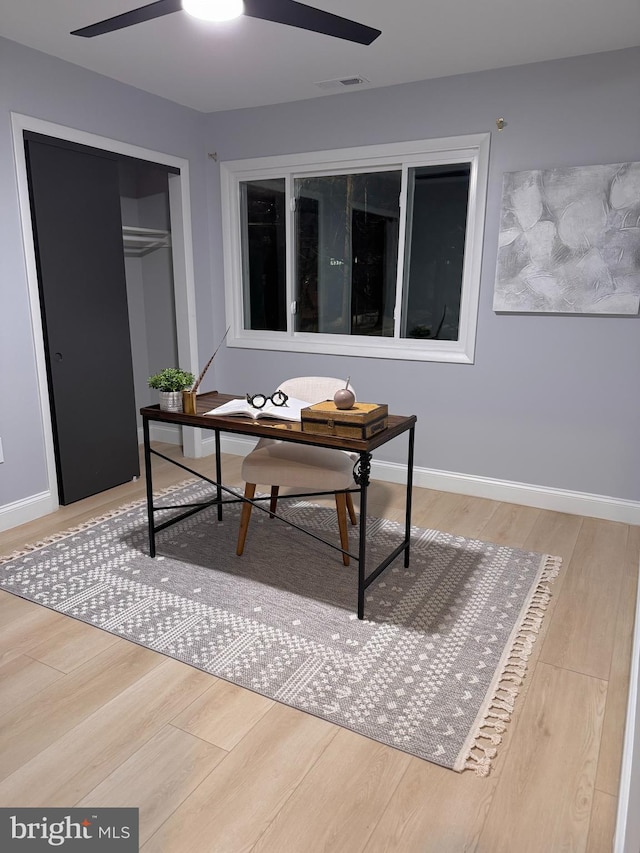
x=170, y=401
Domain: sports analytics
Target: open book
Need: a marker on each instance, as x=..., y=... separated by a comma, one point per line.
x=289, y=412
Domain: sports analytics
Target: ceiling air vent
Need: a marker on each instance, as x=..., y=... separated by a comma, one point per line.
x=342, y=83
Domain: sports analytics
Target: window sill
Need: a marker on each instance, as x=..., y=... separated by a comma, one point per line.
x=453, y=352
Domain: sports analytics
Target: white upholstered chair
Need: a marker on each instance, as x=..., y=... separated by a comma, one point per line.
x=281, y=463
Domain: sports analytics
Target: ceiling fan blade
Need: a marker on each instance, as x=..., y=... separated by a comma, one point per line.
x=279, y=11
x=308, y=18
x=128, y=19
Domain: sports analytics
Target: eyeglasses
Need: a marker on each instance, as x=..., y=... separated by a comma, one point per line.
x=259, y=401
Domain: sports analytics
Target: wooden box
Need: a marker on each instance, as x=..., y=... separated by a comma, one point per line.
x=362, y=420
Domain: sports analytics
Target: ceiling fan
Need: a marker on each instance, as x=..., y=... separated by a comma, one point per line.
x=288, y=12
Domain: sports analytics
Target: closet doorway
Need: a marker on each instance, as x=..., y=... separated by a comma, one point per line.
x=152, y=199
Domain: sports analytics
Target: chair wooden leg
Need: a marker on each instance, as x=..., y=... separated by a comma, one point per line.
x=341, y=507
x=351, y=509
x=273, y=503
x=249, y=492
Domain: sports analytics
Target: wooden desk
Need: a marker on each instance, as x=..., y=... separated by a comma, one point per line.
x=284, y=431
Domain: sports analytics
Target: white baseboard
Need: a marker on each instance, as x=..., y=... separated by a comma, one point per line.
x=230, y=444
x=541, y=497
x=27, y=509
x=166, y=433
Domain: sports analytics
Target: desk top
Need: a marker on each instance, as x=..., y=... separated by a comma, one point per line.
x=272, y=428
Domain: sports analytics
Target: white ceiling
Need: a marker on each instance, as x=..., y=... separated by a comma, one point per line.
x=249, y=62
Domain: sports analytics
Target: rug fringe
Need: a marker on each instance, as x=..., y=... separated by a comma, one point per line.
x=480, y=763
x=86, y=525
x=500, y=706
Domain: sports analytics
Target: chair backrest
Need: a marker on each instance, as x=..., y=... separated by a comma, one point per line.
x=313, y=389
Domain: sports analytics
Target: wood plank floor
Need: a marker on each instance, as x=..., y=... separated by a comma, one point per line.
x=89, y=719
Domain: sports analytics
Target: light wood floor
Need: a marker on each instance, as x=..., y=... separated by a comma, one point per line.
x=90, y=719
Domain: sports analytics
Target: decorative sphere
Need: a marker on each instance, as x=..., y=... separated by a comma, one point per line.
x=344, y=398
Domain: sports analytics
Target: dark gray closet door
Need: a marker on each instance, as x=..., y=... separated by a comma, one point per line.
x=75, y=206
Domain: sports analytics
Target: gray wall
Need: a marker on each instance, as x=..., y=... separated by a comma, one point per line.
x=550, y=400
x=47, y=88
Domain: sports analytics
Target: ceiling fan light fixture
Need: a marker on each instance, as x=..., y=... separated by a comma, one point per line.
x=214, y=10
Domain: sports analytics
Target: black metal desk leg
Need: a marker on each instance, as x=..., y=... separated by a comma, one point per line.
x=361, y=476
x=218, y=475
x=407, y=529
x=149, y=479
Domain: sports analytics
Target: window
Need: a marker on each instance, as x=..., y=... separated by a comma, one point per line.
x=371, y=252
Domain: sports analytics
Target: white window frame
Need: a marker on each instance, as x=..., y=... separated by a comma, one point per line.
x=472, y=149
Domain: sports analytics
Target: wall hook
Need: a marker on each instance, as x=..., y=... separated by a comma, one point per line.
x=500, y=123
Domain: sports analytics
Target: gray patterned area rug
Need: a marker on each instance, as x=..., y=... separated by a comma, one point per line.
x=433, y=669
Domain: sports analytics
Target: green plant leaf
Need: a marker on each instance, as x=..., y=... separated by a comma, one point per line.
x=172, y=379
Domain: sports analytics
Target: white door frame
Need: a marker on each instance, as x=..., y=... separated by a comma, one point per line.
x=184, y=281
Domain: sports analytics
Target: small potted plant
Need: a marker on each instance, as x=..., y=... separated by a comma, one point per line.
x=171, y=382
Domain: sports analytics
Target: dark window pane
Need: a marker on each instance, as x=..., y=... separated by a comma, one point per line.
x=374, y=246
x=263, y=254
x=307, y=264
x=346, y=253
x=436, y=226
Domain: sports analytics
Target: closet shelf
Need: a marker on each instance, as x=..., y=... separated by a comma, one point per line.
x=141, y=241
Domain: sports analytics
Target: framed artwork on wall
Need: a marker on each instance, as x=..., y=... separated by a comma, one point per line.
x=569, y=241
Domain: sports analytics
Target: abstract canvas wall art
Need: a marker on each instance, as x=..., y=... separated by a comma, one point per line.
x=569, y=241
